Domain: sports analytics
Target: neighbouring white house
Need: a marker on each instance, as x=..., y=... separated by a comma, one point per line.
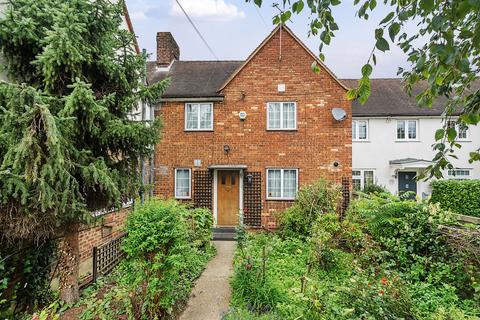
x=392, y=140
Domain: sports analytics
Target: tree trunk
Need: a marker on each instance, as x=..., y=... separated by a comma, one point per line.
x=69, y=265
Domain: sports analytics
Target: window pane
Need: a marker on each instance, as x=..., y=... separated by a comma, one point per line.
x=412, y=130
x=354, y=130
x=362, y=130
x=182, y=183
x=274, y=115
x=400, y=129
x=356, y=173
x=192, y=116
x=357, y=184
x=367, y=178
x=289, y=183
x=288, y=116
x=462, y=132
x=274, y=183
x=206, y=116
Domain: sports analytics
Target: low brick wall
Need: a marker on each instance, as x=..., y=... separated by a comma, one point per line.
x=108, y=227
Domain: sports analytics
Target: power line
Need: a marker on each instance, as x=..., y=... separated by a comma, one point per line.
x=198, y=31
x=260, y=15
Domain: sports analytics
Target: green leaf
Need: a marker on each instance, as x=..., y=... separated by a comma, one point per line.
x=439, y=134
x=298, y=6
x=374, y=58
x=382, y=44
x=351, y=94
x=367, y=70
x=285, y=16
x=325, y=37
x=393, y=30
x=427, y=5
x=387, y=18
x=451, y=134
x=258, y=2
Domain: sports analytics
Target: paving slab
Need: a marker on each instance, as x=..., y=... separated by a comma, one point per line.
x=210, y=297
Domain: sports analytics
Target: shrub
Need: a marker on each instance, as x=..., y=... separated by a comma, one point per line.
x=200, y=223
x=460, y=196
x=313, y=200
x=167, y=247
x=374, y=188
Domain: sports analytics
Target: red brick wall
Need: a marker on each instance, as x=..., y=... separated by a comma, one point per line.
x=101, y=232
x=317, y=143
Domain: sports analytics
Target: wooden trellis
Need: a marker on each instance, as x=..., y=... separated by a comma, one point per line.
x=107, y=256
x=252, y=199
x=202, y=189
x=346, y=196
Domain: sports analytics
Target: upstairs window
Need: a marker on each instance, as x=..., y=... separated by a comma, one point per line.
x=459, y=174
x=282, y=184
x=407, y=130
x=360, y=130
x=198, y=116
x=183, y=186
x=462, y=130
x=281, y=116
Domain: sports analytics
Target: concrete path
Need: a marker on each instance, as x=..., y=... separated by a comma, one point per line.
x=211, y=295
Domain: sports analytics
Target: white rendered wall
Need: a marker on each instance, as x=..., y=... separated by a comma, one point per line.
x=382, y=147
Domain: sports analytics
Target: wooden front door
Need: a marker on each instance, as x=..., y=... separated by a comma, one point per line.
x=228, y=197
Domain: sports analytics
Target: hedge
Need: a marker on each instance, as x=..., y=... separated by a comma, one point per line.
x=460, y=196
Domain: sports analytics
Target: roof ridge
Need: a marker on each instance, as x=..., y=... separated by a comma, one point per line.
x=203, y=61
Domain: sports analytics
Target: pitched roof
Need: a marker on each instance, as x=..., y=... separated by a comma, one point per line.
x=388, y=98
x=279, y=28
x=202, y=79
x=193, y=79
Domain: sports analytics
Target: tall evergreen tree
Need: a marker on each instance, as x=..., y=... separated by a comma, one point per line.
x=67, y=143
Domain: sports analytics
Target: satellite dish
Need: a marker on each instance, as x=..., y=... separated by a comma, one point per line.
x=339, y=114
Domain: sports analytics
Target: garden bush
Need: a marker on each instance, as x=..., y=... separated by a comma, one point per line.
x=374, y=188
x=386, y=260
x=460, y=196
x=313, y=200
x=167, y=247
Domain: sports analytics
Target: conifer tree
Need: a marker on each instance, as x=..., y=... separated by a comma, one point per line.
x=68, y=145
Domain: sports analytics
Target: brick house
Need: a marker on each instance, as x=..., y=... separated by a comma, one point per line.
x=243, y=136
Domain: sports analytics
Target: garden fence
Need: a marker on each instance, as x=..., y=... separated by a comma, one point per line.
x=107, y=256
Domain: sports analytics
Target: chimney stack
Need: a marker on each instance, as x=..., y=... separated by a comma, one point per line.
x=167, y=49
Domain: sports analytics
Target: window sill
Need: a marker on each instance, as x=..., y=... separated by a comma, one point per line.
x=183, y=198
x=273, y=130
x=198, y=130
x=280, y=199
x=412, y=140
x=353, y=140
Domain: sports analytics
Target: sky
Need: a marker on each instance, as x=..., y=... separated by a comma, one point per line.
x=234, y=28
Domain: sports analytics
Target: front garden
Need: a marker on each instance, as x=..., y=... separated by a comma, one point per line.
x=167, y=247
x=388, y=259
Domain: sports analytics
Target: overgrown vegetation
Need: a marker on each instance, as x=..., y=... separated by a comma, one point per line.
x=460, y=196
x=386, y=260
x=167, y=246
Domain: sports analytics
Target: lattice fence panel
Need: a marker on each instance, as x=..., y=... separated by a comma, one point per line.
x=202, y=189
x=107, y=256
x=252, y=199
x=346, y=196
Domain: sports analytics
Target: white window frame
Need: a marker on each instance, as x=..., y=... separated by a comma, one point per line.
x=281, y=184
x=189, y=184
x=459, y=177
x=281, y=116
x=198, y=117
x=406, y=130
x=361, y=177
x=356, y=136
x=457, y=128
